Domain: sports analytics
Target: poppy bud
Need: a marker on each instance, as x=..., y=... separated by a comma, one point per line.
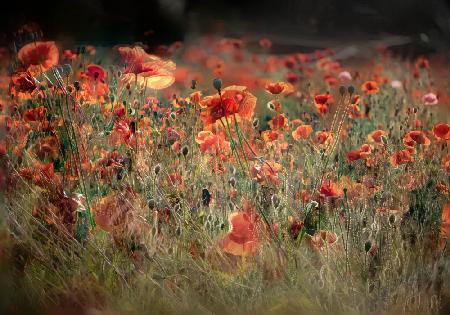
x=173, y=116
x=76, y=85
x=217, y=83
x=342, y=90
x=185, y=150
x=367, y=246
x=232, y=182
x=157, y=169
x=392, y=219
x=151, y=203
x=194, y=84
x=384, y=140
x=206, y=197
x=351, y=89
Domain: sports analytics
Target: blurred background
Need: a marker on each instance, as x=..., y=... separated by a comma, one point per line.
x=412, y=26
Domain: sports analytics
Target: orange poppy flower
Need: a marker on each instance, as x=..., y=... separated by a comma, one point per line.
x=279, y=122
x=362, y=153
x=442, y=131
x=195, y=97
x=302, y=132
x=150, y=71
x=270, y=135
x=212, y=143
x=236, y=100
x=370, y=87
x=330, y=189
x=39, y=56
x=415, y=137
x=323, y=138
x=322, y=240
x=241, y=240
x=401, y=157
x=375, y=136
x=279, y=87
x=266, y=173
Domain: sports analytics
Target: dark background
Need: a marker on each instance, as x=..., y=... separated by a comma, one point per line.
x=424, y=23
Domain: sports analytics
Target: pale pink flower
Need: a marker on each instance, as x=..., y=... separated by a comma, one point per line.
x=344, y=76
x=396, y=84
x=430, y=99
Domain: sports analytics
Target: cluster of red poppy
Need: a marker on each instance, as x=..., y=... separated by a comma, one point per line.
x=95, y=125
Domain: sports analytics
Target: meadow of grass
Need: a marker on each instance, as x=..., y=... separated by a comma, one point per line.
x=209, y=178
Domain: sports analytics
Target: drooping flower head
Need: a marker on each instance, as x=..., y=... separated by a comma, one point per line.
x=149, y=70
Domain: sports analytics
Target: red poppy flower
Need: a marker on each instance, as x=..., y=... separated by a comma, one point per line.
x=370, y=87
x=23, y=82
x=362, y=153
x=401, y=157
x=39, y=56
x=442, y=131
x=375, y=136
x=242, y=239
x=94, y=72
x=236, y=100
x=415, y=137
x=279, y=122
x=322, y=102
x=330, y=189
x=279, y=87
x=295, y=226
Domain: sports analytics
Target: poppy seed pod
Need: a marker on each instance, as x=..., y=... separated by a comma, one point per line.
x=194, y=84
x=217, y=83
x=342, y=90
x=206, y=197
x=151, y=203
x=185, y=150
x=76, y=85
x=157, y=169
x=351, y=89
